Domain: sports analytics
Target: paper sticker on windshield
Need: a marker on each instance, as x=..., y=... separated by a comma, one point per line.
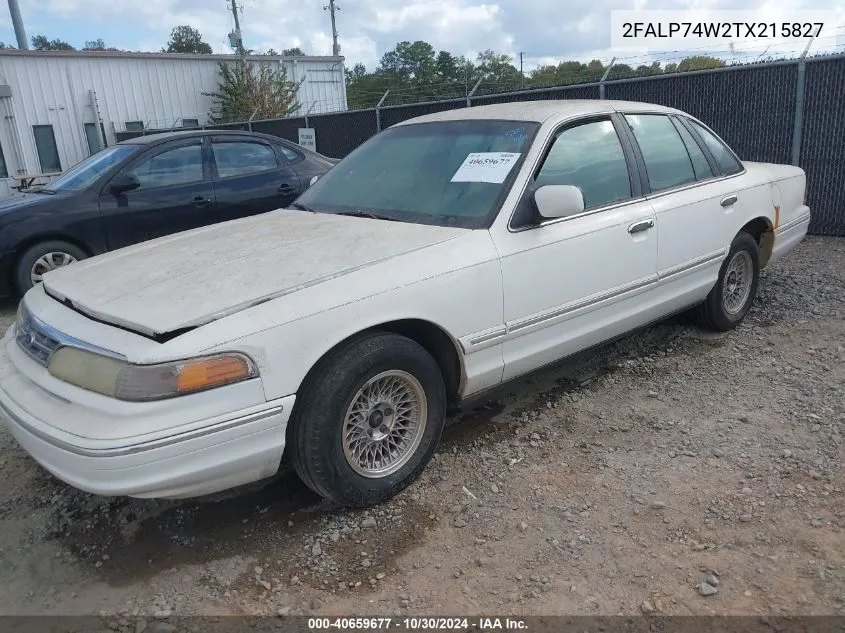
x=486, y=167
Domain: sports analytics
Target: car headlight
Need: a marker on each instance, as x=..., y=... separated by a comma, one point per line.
x=141, y=383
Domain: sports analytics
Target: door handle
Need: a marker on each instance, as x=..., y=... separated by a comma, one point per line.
x=639, y=227
x=726, y=202
x=199, y=201
x=286, y=188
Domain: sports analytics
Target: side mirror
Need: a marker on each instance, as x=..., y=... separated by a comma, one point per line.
x=124, y=183
x=313, y=180
x=559, y=201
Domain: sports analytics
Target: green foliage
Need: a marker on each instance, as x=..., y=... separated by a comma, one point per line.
x=187, y=39
x=496, y=71
x=414, y=71
x=97, y=45
x=41, y=43
x=246, y=90
x=700, y=62
x=293, y=52
x=566, y=73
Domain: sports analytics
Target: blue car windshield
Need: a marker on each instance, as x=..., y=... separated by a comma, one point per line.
x=84, y=174
x=446, y=173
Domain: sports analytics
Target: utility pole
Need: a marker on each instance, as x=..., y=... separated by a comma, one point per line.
x=332, y=8
x=521, y=74
x=17, y=22
x=235, y=39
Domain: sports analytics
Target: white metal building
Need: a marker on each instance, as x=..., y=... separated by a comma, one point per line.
x=51, y=102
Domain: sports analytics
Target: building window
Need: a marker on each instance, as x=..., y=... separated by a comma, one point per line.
x=4, y=172
x=134, y=126
x=93, y=136
x=190, y=122
x=48, y=151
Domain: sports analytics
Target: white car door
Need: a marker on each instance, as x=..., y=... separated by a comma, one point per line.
x=695, y=200
x=572, y=282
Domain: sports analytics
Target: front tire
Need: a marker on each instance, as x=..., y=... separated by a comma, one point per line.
x=368, y=420
x=735, y=290
x=40, y=259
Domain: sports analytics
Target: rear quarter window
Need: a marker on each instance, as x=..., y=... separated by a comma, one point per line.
x=724, y=157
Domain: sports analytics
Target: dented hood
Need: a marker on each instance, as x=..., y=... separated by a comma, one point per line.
x=190, y=279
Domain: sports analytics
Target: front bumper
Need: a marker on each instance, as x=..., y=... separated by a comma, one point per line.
x=190, y=460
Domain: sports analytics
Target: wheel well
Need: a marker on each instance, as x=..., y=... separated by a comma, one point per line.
x=763, y=233
x=26, y=244
x=437, y=343
x=431, y=337
x=29, y=242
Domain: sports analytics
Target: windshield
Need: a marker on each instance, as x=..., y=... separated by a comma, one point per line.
x=449, y=173
x=84, y=174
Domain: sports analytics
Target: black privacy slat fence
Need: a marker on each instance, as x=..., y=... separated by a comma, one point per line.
x=779, y=112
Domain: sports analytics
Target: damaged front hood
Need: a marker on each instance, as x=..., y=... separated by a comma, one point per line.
x=189, y=279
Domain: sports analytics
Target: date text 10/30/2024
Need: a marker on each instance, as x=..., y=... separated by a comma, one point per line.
x=417, y=624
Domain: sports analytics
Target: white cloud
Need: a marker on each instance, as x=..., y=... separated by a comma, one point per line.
x=542, y=29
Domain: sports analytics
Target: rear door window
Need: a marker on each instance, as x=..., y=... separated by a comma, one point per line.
x=667, y=161
x=241, y=158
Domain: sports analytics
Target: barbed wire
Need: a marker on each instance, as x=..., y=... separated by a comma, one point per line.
x=445, y=90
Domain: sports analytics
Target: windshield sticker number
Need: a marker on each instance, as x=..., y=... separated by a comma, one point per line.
x=486, y=167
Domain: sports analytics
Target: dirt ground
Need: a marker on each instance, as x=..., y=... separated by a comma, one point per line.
x=615, y=483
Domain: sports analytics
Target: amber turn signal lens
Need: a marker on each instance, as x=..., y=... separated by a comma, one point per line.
x=211, y=372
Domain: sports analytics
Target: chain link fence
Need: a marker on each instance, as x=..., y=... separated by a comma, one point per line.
x=778, y=112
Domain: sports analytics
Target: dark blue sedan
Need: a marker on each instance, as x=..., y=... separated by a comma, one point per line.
x=145, y=188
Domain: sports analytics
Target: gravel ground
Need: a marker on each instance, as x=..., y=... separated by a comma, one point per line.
x=675, y=471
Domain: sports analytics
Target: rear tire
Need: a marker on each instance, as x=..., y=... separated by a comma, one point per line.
x=368, y=420
x=735, y=290
x=42, y=258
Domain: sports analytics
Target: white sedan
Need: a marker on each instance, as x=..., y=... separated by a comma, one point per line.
x=445, y=256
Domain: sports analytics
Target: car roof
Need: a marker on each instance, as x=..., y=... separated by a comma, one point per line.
x=152, y=139
x=540, y=111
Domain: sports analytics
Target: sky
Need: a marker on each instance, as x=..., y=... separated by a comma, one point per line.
x=546, y=31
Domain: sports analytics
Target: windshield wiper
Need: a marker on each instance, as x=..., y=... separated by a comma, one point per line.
x=301, y=207
x=367, y=214
x=49, y=192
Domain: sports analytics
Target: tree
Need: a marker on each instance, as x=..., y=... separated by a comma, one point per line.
x=41, y=43
x=187, y=39
x=246, y=89
x=410, y=61
x=447, y=67
x=293, y=52
x=3, y=45
x=700, y=62
x=595, y=67
x=620, y=71
x=647, y=70
x=565, y=73
x=364, y=89
x=496, y=68
x=97, y=45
